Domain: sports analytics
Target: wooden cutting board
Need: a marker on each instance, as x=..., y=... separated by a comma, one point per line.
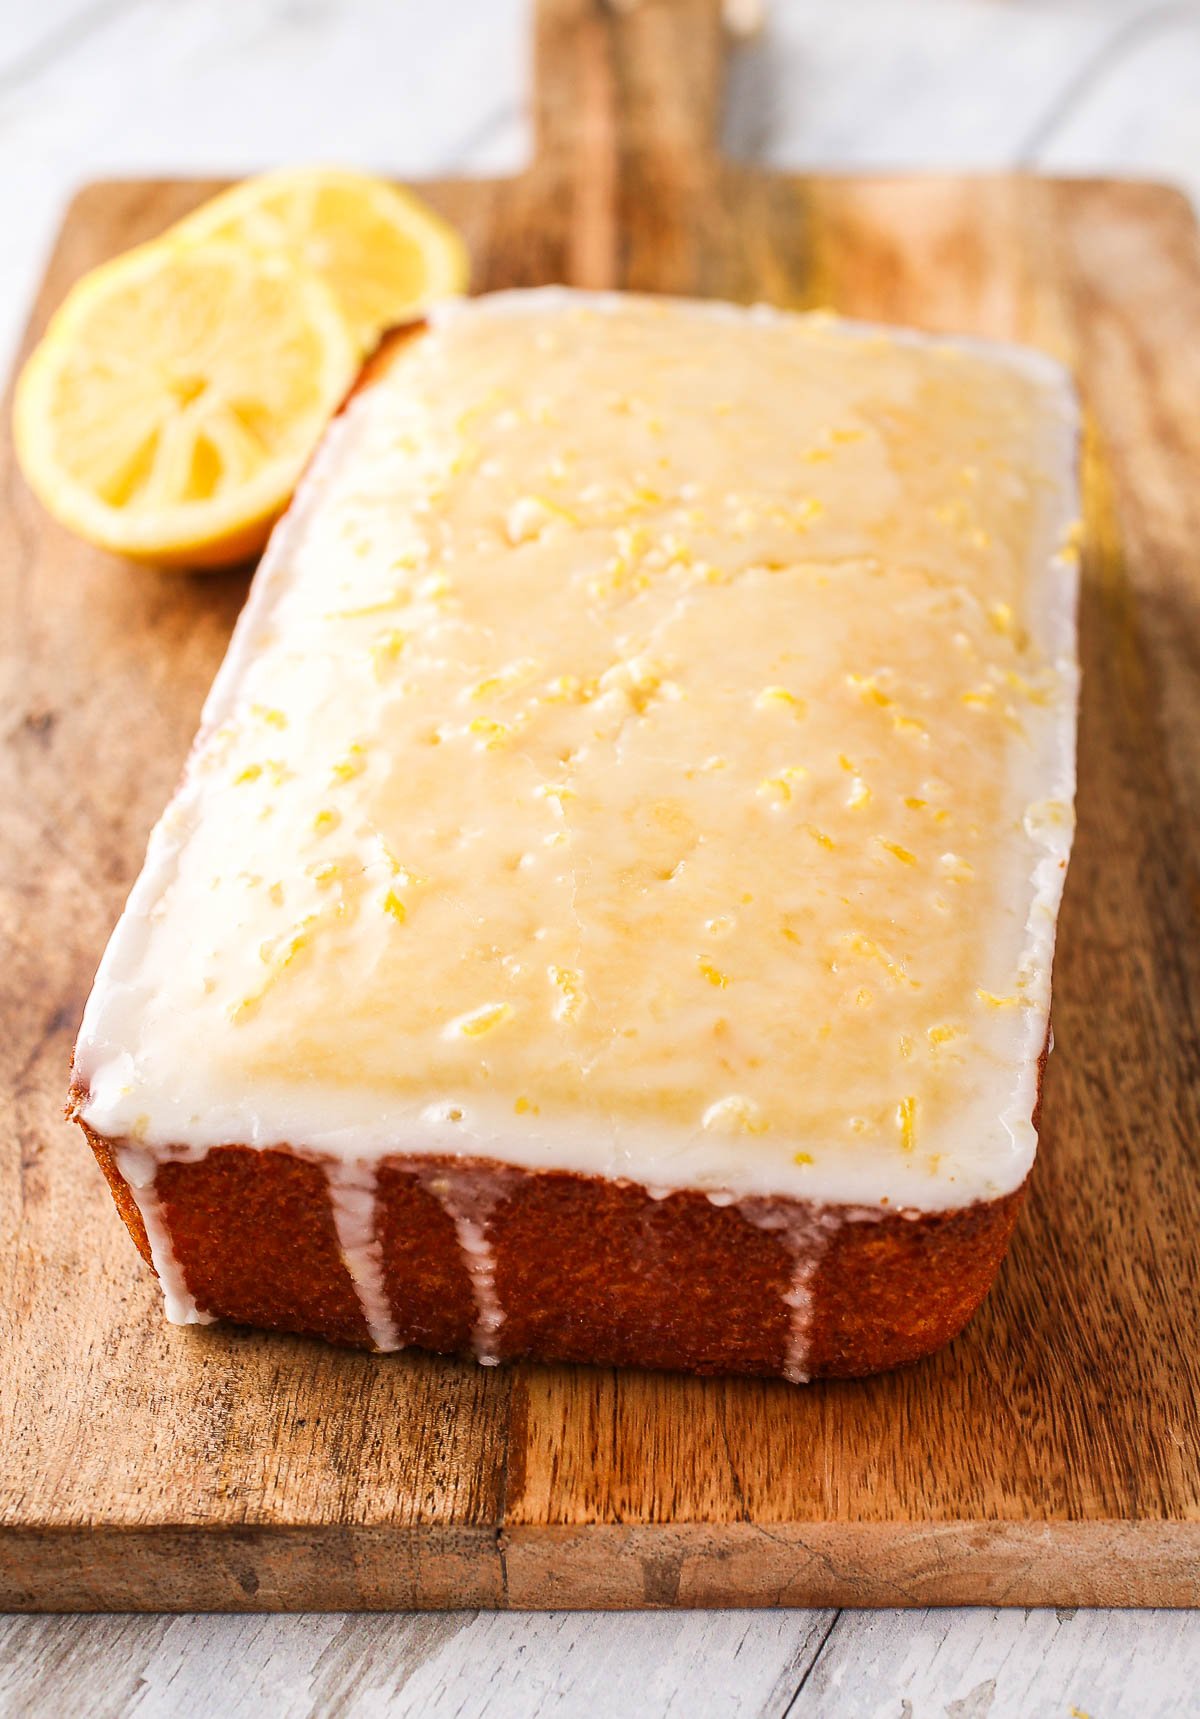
x=1050, y=1455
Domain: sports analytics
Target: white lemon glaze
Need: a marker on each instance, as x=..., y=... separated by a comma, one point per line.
x=648, y=751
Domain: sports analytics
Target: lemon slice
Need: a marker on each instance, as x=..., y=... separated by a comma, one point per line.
x=176, y=396
x=382, y=252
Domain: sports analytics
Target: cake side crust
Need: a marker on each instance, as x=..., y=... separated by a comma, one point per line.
x=481, y=1259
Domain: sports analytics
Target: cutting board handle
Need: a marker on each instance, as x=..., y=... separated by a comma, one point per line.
x=615, y=78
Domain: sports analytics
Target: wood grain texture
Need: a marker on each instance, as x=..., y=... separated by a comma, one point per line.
x=968, y=1664
x=1051, y=1454
x=686, y=1665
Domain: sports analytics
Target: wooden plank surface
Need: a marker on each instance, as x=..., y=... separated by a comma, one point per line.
x=972, y=1664
x=1051, y=1454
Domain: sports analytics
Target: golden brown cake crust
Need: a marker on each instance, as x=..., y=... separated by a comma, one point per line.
x=586, y=1269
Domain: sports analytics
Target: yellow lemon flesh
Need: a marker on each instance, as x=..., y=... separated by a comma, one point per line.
x=382, y=252
x=176, y=397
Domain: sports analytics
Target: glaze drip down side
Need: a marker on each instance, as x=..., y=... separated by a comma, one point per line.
x=580, y=1270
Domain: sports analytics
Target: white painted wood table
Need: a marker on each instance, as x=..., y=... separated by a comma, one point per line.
x=94, y=87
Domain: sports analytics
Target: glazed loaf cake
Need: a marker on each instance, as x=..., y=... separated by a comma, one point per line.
x=608, y=911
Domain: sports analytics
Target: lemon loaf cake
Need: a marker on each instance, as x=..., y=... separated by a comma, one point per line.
x=608, y=910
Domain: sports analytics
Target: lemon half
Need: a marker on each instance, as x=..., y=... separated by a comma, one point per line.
x=383, y=253
x=177, y=394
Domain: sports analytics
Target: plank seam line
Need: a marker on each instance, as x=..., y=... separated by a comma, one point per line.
x=500, y=1535
x=1095, y=69
x=60, y=43
x=812, y=1665
x=459, y=154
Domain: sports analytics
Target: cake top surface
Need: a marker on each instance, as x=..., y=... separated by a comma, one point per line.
x=647, y=750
